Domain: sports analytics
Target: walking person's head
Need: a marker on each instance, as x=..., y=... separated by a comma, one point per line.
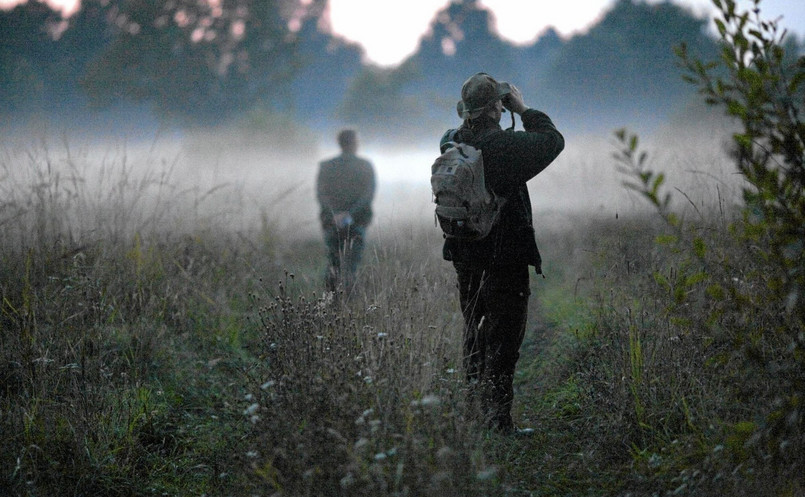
x=348, y=141
x=481, y=95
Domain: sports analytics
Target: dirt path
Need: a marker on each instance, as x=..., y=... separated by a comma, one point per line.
x=559, y=458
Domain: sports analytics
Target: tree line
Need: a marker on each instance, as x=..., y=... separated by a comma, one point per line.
x=207, y=63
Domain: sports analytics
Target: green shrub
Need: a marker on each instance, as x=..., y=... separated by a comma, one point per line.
x=738, y=295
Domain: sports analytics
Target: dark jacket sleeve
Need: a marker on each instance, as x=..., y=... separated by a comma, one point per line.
x=322, y=195
x=514, y=157
x=511, y=158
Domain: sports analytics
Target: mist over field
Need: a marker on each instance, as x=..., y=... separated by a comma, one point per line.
x=242, y=181
x=238, y=139
x=165, y=327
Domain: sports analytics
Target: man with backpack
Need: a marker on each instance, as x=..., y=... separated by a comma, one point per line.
x=345, y=188
x=492, y=270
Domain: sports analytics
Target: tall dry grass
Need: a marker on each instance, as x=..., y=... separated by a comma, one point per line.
x=153, y=343
x=691, y=352
x=116, y=287
x=160, y=338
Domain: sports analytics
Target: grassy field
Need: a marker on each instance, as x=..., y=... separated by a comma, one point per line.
x=157, y=340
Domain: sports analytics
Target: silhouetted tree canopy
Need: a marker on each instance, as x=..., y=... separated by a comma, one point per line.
x=198, y=62
x=625, y=65
x=27, y=49
x=326, y=65
x=623, y=69
x=421, y=93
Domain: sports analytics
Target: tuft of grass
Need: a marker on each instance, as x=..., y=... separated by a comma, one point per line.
x=363, y=396
x=150, y=346
x=110, y=305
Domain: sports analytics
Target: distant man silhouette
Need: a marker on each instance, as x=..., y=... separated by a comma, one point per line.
x=345, y=188
x=492, y=273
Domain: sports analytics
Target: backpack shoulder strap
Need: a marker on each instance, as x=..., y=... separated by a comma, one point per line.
x=470, y=137
x=448, y=140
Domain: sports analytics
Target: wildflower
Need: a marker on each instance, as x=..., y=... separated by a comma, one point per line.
x=334, y=433
x=362, y=418
x=427, y=401
x=444, y=453
x=267, y=385
x=487, y=474
x=251, y=409
x=347, y=481
x=440, y=478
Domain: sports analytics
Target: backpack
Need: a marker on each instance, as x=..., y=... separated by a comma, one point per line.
x=465, y=209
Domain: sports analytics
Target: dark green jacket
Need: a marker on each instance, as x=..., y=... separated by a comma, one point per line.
x=345, y=183
x=511, y=158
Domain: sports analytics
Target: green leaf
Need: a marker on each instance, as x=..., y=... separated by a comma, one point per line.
x=658, y=181
x=722, y=30
x=661, y=280
x=696, y=278
x=673, y=219
x=665, y=239
x=679, y=294
x=736, y=109
x=742, y=140
x=699, y=247
x=715, y=292
x=744, y=428
x=645, y=177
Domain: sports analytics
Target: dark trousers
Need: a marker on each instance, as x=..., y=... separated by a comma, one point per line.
x=344, y=253
x=494, y=302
